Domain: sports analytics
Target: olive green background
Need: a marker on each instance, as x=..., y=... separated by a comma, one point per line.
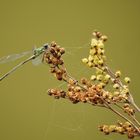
x=26, y=111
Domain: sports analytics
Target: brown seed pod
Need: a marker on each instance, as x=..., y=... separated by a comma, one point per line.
x=53, y=44
x=52, y=91
x=84, y=81
x=54, y=61
x=52, y=50
x=60, y=62
x=57, y=48
x=49, y=61
x=63, y=94
x=130, y=135
x=62, y=51
x=59, y=76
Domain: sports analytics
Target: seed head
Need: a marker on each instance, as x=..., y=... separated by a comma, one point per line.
x=93, y=78
x=127, y=80
x=100, y=44
x=116, y=86
x=94, y=42
x=85, y=60
x=99, y=77
x=118, y=74
x=90, y=64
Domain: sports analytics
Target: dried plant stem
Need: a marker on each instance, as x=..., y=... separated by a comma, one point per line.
x=131, y=100
x=135, y=120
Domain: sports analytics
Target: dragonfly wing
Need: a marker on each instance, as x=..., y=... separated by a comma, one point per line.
x=13, y=57
x=37, y=61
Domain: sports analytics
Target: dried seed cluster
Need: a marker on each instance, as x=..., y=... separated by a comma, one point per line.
x=104, y=89
x=128, y=109
x=57, y=93
x=53, y=58
x=96, y=56
x=89, y=93
x=103, y=76
x=121, y=128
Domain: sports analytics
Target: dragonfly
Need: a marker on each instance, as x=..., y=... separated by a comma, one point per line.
x=36, y=53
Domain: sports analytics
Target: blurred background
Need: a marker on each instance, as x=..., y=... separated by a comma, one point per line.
x=26, y=111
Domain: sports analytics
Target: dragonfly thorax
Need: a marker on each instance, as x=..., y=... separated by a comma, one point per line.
x=40, y=50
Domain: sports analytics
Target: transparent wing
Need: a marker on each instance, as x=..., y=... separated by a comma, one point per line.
x=14, y=57
x=38, y=60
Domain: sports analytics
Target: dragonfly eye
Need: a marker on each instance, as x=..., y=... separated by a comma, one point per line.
x=46, y=46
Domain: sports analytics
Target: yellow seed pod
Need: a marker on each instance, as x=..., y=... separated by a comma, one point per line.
x=116, y=93
x=118, y=74
x=101, y=85
x=100, y=44
x=105, y=81
x=104, y=38
x=100, y=62
x=110, y=96
x=77, y=89
x=125, y=86
x=120, y=129
x=99, y=51
x=99, y=71
x=127, y=124
x=116, y=86
x=127, y=80
x=105, y=94
x=92, y=51
x=125, y=91
x=93, y=78
x=94, y=42
x=85, y=60
x=112, y=128
x=96, y=58
x=124, y=97
x=99, y=77
x=96, y=62
x=90, y=58
x=107, y=77
x=90, y=64
x=102, y=51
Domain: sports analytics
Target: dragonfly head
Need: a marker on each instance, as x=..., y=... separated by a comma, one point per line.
x=46, y=46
